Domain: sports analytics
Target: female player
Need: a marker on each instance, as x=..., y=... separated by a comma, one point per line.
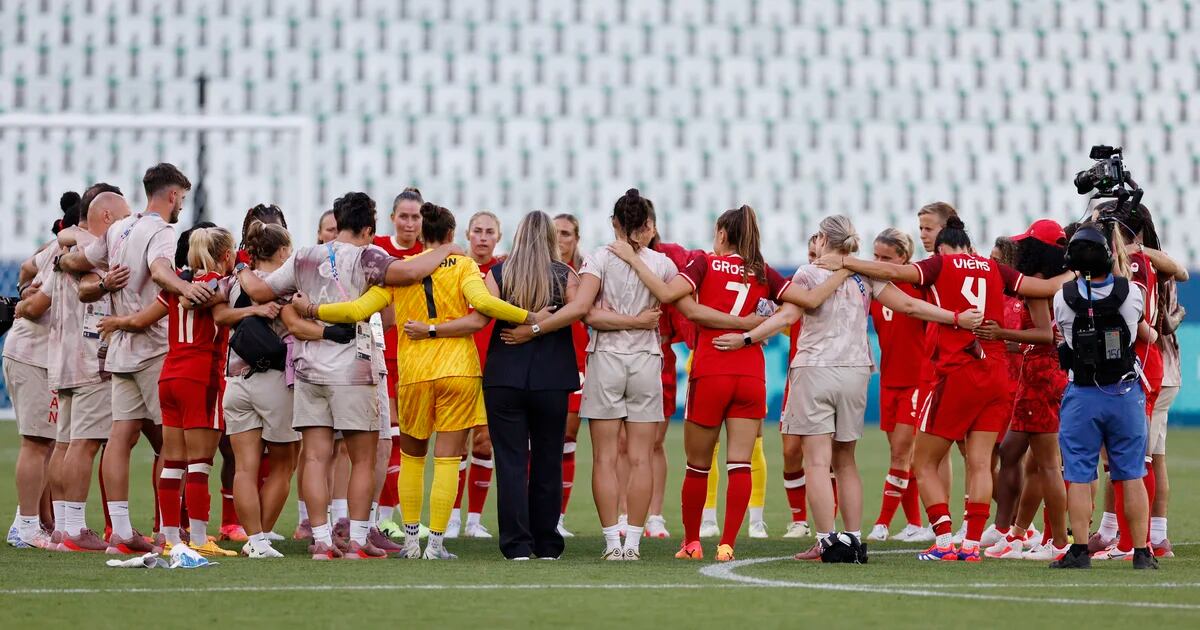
x=794, y=483
x=724, y=388
x=566, y=230
x=969, y=400
x=901, y=347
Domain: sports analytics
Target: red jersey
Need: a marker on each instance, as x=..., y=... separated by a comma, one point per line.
x=960, y=282
x=901, y=342
x=196, y=344
x=1146, y=277
x=389, y=245
x=673, y=326
x=1016, y=317
x=718, y=283
x=484, y=335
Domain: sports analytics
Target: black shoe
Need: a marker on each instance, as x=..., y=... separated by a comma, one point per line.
x=1076, y=558
x=862, y=553
x=1143, y=559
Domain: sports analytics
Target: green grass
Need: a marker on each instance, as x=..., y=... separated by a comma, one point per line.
x=481, y=590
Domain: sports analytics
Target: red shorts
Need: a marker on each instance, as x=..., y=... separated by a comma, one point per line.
x=669, y=405
x=188, y=404
x=393, y=378
x=573, y=402
x=712, y=399
x=1152, y=396
x=1039, y=394
x=972, y=397
x=897, y=405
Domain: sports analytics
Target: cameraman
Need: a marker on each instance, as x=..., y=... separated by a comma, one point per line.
x=1104, y=405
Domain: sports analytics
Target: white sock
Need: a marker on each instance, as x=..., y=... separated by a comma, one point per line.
x=171, y=535
x=944, y=540
x=385, y=513
x=473, y=518
x=73, y=521
x=27, y=527
x=436, y=540
x=303, y=509
x=456, y=515
x=612, y=537
x=826, y=537
x=323, y=534
x=339, y=509
x=857, y=534
x=259, y=542
x=359, y=530
x=60, y=515
x=756, y=515
x=969, y=544
x=1158, y=529
x=118, y=512
x=199, y=532
x=633, y=537
x=710, y=514
x=374, y=518
x=1108, y=526
x=412, y=534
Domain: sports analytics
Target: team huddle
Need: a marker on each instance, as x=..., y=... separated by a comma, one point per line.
x=345, y=363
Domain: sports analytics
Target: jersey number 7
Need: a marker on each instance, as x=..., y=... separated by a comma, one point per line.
x=742, y=290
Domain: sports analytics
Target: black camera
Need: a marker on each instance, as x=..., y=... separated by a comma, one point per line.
x=1106, y=176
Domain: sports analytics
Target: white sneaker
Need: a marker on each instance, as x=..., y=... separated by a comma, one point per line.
x=477, y=530
x=40, y=540
x=1033, y=538
x=924, y=535
x=615, y=553
x=961, y=534
x=1044, y=552
x=796, y=529
x=879, y=532
x=453, y=527
x=14, y=536
x=412, y=548
x=562, y=529
x=1005, y=550
x=273, y=537
x=623, y=523
x=266, y=552
x=1112, y=553
x=990, y=536
x=437, y=552
x=906, y=534
x=709, y=529
x=631, y=554
x=656, y=527
x=758, y=529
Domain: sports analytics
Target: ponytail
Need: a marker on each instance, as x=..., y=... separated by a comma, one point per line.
x=631, y=212
x=741, y=230
x=954, y=235
x=264, y=240
x=206, y=246
x=839, y=233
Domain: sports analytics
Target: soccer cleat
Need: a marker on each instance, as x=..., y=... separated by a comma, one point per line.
x=1045, y=552
x=690, y=551
x=211, y=550
x=990, y=536
x=411, y=549
x=86, y=541
x=341, y=543
x=969, y=555
x=1113, y=553
x=656, y=527
x=391, y=529
x=1073, y=561
x=453, y=527
x=922, y=534
x=303, y=531
x=364, y=552
x=758, y=529
x=709, y=529
x=880, y=533
x=341, y=528
x=1163, y=549
x=266, y=552
x=562, y=530
x=437, y=552
x=1098, y=543
x=813, y=554
x=1032, y=537
x=56, y=539
x=321, y=551
x=385, y=544
x=134, y=545
x=14, y=536
x=273, y=537
x=613, y=553
x=631, y=554
x=724, y=553
x=40, y=540
x=1006, y=549
x=1144, y=559
x=943, y=554
x=961, y=534
x=623, y=522
x=236, y=533
x=476, y=530
x=796, y=529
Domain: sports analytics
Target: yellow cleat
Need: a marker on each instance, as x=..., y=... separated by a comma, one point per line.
x=211, y=550
x=724, y=553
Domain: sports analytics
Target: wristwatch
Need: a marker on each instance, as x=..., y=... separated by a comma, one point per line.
x=240, y=267
x=537, y=330
x=432, y=331
x=103, y=287
x=747, y=339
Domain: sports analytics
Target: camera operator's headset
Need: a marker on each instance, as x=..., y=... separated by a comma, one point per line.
x=1094, y=235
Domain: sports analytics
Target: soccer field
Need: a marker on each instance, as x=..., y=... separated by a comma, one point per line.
x=764, y=588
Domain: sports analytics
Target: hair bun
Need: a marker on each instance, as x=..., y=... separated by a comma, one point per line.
x=412, y=189
x=633, y=193
x=68, y=200
x=955, y=223
x=428, y=209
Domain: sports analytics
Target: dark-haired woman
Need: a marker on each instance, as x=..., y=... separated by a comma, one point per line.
x=965, y=403
x=725, y=388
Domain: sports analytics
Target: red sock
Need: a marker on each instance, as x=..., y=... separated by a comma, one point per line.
x=462, y=483
x=104, y=498
x=737, y=499
x=939, y=518
x=480, y=478
x=692, y=495
x=229, y=517
x=977, y=516
x=389, y=496
x=911, y=501
x=1125, y=542
x=154, y=486
x=797, y=494
x=169, y=494
x=894, y=485
x=568, y=472
x=833, y=482
x=197, y=495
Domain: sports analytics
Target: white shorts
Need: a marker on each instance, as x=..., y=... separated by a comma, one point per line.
x=339, y=407
x=135, y=395
x=627, y=386
x=1156, y=440
x=825, y=400
x=261, y=401
x=85, y=412
x=31, y=398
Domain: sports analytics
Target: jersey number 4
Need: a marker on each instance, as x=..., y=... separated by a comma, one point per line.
x=742, y=290
x=975, y=291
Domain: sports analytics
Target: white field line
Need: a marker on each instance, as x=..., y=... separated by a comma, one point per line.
x=321, y=588
x=727, y=572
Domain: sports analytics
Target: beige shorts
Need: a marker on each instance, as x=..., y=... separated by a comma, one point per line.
x=86, y=411
x=31, y=399
x=825, y=400
x=339, y=407
x=262, y=401
x=627, y=386
x=135, y=395
x=1156, y=441
x=385, y=417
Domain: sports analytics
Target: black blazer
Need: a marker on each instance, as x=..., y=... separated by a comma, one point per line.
x=544, y=363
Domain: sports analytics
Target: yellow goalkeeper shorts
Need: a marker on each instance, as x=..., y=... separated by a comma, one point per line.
x=444, y=405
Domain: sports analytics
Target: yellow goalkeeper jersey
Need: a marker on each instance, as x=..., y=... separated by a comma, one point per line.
x=447, y=294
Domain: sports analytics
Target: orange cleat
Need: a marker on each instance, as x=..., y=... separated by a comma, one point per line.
x=690, y=551
x=724, y=553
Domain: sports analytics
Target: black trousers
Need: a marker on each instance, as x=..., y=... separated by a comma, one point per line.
x=527, y=430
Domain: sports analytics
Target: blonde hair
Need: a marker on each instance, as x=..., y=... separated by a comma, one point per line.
x=1120, y=256
x=480, y=215
x=898, y=240
x=839, y=233
x=529, y=270
x=941, y=209
x=206, y=246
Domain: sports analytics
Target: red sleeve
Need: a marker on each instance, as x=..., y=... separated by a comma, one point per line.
x=776, y=284
x=1012, y=279
x=693, y=272
x=930, y=269
x=1140, y=270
